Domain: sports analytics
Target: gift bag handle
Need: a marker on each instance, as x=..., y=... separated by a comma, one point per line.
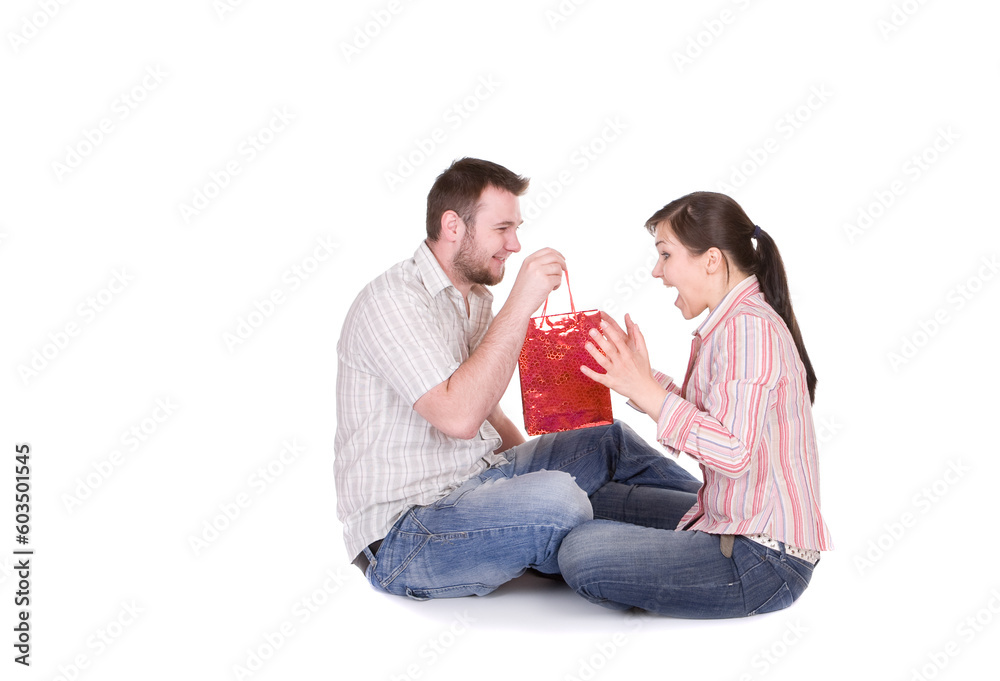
x=572, y=307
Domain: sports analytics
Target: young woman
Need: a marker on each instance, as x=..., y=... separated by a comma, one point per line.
x=748, y=541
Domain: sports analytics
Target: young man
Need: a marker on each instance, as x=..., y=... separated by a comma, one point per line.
x=439, y=493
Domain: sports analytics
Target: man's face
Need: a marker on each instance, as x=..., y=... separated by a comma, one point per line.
x=488, y=243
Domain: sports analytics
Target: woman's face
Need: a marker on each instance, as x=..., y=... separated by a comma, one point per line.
x=678, y=268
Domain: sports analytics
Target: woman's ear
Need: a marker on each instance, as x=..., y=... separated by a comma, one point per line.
x=713, y=260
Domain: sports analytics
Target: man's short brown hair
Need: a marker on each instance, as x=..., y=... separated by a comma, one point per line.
x=460, y=186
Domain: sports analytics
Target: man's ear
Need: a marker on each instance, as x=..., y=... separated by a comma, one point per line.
x=451, y=226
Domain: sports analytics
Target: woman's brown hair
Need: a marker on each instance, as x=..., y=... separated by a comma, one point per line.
x=702, y=220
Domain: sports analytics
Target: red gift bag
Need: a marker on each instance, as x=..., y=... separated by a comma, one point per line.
x=554, y=392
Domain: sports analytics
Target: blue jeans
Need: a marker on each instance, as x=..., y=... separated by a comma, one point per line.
x=495, y=525
x=675, y=572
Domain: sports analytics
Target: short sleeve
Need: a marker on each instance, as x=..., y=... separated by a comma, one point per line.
x=402, y=338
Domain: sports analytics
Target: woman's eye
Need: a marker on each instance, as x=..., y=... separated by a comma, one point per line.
x=665, y=255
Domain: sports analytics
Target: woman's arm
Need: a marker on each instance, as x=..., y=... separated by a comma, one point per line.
x=510, y=436
x=744, y=370
x=623, y=356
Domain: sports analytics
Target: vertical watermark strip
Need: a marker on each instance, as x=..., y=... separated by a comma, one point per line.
x=24, y=554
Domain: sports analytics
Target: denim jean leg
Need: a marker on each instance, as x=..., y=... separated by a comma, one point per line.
x=772, y=580
x=674, y=573
x=642, y=505
x=595, y=456
x=486, y=532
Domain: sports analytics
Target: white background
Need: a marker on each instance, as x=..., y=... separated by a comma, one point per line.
x=909, y=444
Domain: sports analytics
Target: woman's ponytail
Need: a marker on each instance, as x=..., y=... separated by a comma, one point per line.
x=770, y=273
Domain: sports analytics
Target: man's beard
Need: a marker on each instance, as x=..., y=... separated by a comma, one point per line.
x=469, y=263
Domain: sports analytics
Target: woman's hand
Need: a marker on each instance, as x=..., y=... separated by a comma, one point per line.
x=623, y=356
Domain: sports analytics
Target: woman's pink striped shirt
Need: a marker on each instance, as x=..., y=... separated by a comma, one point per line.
x=746, y=418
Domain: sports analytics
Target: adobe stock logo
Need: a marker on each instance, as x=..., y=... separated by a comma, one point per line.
x=921, y=503
x=582, y=158
x=292, y=279
x=914, y=168
x=956, y=298
x=454, y=117
x=701, y=40
x=121, y=108
x=561, y=13
x=970, y=629
x=132, y=439
x=224, y=7
x=59, y=341
x=33, y=24
x=365, y=33
x=899, y=17
x=247, y=151
x=788, y=125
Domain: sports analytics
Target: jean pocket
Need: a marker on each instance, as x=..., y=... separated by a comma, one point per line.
x=455, y=496
x=764, y=578
x=781, y=599
x=798, y=573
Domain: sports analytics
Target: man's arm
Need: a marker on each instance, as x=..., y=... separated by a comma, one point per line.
x=459, y=405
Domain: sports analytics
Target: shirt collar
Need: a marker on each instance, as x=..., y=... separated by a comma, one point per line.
x=740, y=292
x=434, y=278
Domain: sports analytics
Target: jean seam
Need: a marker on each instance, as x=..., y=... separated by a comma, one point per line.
x=800, y=578
x=455, y=587
x=783, y=588
x=427, y=537
x=393, y=534
x=584, y=453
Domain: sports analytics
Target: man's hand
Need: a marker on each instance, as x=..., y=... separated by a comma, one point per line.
x=540, y=274
x=459, y=406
